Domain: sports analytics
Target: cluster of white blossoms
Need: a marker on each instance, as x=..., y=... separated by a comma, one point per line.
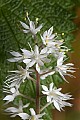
x=35, y=61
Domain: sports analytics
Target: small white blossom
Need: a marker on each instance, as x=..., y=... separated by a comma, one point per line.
x=35, y=116
x=31, y=58
x=18, y=111
x=18, y=76
x=56, y=97
x=53, y=45
x=31, y=27
x=48, y=37
x=12, y=93
x=64, y=69
x=26, y=54
x=38, y=58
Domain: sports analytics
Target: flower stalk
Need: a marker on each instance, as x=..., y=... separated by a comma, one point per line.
x=37, y=92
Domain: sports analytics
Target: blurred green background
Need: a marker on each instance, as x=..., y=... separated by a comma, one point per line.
x=64, y=15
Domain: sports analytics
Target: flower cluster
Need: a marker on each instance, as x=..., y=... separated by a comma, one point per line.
x=34, y=69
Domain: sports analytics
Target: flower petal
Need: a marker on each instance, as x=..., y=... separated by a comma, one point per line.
x=56, y=105
x=9, y=98
x=27, y=61
x=45, y=88
x=51, y=86
x=37, y=68
x=48, y=99
x=23, y=116
x=12, y=109
x=24, y=25
x=32, y=111
x=16, y=54
x=38, y=28
x=25, y=106
x=50, y=31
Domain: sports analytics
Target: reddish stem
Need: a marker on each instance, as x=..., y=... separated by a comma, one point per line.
x=37, y=92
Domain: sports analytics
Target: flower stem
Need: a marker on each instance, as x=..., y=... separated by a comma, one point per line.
x=27, y=97
x=37, y=92
x=45, y=107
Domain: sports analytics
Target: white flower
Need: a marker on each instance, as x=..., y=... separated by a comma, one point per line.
x=30, y=58
x=26, y=54
x=48, y=37
x=31, y=28
x=35, y=116
x=18, y=111
x=38, y=58
x=18, y=76
x=56, y=97
x=64, y=69
x=13, y=92
x=53, y=45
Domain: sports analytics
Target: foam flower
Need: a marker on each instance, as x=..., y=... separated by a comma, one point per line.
x=31, y=27
x=38, y=58
x=12, y=93
x=18, y=76
x=56, y=97
x=35, y=116
x=48, y=37
x=64, y=69
x=13, y=111
x=19, y=57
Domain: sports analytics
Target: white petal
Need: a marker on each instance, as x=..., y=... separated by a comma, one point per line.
x=26, y=52
x=36, y=50
x=38, y=28
x=40, y=63
x=32, y=111
x=13, y=90
x=56, y=105
x=63, y=76
x=44, y=34
x=45, y=93
x=32, y=25
x=51, y=86
x=48, y=99
x=52, y=36
x=37, y=68
x=24, y=25
x=31, y=63
x=12, y=109
x=26, y=61
x=23, y=116
x=25, y=31
x=25, y=106
x=43, y=40
x=16, y=54
x=44, y=88
x=60, y=61
x=44, y=50
x=50, y=31
x=11, y=60
x=9, y=98
x=14, y=59
x=13, y=115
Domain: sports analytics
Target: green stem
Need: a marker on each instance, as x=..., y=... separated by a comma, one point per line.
x=45, y=107
x=37, y=92
x=29, y=98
